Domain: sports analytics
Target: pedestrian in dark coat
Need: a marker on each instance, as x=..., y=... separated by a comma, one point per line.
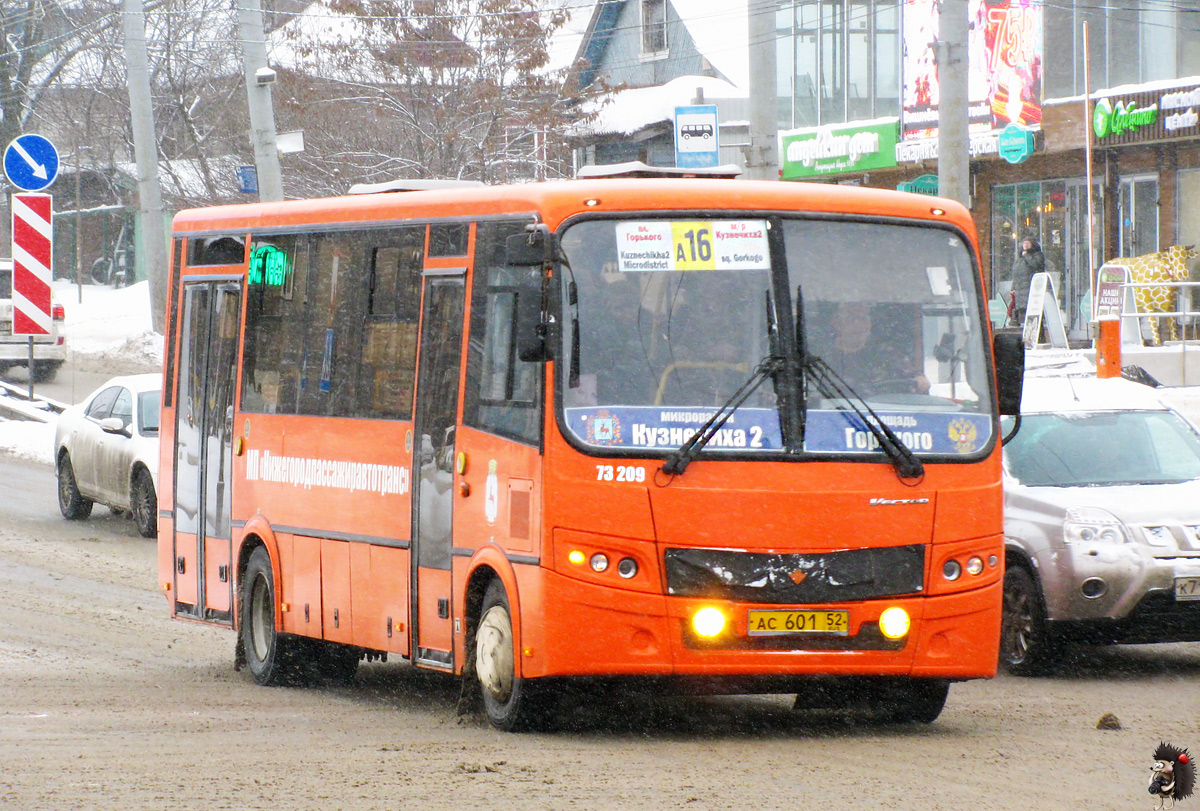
x=1029, y=261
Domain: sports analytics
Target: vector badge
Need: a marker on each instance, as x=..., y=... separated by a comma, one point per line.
x=1173, y=775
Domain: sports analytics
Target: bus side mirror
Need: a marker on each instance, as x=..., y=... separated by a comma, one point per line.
x=1009, y=351
x=531, y=329
x=534, y=247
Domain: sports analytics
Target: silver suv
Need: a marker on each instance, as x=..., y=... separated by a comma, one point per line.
x=49, y=351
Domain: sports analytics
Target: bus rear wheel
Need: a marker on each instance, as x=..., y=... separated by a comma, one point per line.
x=908, y=701
x=269, y=655
x=511, y=702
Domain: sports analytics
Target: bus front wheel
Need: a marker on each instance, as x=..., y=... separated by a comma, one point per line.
x=511, y=703
x=907, y=701
x=269, y=654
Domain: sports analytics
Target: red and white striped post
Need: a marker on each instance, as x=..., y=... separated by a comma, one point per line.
x=32, y=250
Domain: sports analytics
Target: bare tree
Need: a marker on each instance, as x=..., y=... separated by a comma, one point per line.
x=424, y=88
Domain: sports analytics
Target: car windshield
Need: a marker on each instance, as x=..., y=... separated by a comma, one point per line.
x=1103, y=448
x=148, y=412
x=666, y=319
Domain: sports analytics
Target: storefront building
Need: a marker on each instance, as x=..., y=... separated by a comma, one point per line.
x=858, y=101
x=1027, y=125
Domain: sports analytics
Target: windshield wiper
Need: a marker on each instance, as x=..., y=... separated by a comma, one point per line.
x=831, y=384
x=677, y=462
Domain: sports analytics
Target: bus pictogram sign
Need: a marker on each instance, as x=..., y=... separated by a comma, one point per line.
x=32, y=238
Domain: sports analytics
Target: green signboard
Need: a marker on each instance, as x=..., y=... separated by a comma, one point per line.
x=1015, y=143
x=838, y=150
x=1124, y=116
x=925, y=184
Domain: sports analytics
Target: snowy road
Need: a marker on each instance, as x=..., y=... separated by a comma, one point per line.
x=105, y=703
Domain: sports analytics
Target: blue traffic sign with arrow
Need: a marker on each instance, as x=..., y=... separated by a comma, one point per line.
x=31, y=162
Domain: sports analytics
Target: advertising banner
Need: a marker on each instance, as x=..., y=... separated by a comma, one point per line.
x=1004, y=52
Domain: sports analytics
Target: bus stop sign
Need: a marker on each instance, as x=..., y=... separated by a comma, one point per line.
x=696, y=138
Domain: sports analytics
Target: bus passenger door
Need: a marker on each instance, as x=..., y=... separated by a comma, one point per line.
x=438, y=373
x=204, y=451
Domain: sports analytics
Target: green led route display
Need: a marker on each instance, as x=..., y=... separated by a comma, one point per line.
x=270, y=266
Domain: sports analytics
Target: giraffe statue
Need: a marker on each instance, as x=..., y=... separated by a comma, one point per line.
x=1169, y=265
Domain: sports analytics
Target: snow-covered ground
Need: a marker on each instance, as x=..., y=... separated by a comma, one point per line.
x=108, y=332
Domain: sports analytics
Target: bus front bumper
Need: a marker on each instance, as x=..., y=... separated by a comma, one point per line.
x=600, y=631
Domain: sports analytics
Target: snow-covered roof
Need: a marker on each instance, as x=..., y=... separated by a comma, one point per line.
x=1131, y=89
x=185, y=178
x=631, y=110
x=564, y=44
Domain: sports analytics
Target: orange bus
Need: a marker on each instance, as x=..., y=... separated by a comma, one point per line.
x=726, y=435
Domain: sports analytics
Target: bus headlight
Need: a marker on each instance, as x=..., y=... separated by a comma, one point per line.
x=894, y=623
x=708, y=622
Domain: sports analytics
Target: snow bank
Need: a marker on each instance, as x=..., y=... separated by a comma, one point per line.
x=109, y=331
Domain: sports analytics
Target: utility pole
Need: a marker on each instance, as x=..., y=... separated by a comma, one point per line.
x=762, y=154
x=145, y=152
x=259, y=78
x=954, y=162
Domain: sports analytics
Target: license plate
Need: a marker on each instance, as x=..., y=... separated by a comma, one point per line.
x=1187, y=588
x=782, y=623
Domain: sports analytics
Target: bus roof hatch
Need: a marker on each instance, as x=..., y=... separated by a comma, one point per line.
x=640, y=169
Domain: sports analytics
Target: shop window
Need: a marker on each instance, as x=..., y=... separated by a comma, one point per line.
x=1139, y=216
x=837, y=60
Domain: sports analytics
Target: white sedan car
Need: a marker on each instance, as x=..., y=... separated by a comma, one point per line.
x=1101, y=521
x=106, y=450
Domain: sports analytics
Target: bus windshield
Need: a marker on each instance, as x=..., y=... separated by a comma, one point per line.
x=665, y=320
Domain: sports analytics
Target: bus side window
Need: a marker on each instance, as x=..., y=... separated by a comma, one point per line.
x=275, y=322
x=336, y=315
x=224, y=250
x=389, y=355
x=503, y=394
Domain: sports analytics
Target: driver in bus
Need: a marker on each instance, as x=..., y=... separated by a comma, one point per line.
x=869, y=364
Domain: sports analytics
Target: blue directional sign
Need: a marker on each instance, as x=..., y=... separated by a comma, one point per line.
x=31, y=162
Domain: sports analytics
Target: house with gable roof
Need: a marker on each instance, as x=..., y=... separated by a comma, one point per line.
x=660, y=60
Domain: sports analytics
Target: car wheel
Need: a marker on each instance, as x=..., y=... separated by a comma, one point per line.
x=511, y=702
x=71, y=502
x=272, y=657
x=908, y=701
x=43, y=371
x=144, y=504
x=1025, y=648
